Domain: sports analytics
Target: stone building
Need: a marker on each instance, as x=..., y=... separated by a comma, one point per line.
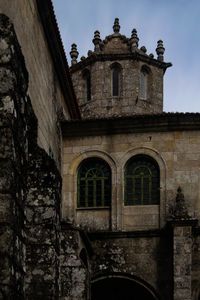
x=99, y=188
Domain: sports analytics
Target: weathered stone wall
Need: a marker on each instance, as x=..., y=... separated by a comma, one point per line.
x=177, y=154
x=147, y=258
x=182, y=262
x=103, y=104
x=30, y=187
x=195, y=272
x=30, y=196
x=42, y=209
x=14, y=114
x=74, y=266
x=44, y=89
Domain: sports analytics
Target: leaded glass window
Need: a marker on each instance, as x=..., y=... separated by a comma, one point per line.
x=142, y=181
x=94, y=183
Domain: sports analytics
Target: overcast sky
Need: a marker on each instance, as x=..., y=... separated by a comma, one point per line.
x=176, y=22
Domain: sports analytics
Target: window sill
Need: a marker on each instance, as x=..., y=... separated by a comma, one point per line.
x=93, y=208
x=141, y=205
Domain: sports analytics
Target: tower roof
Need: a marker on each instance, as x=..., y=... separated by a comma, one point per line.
x=117, y=46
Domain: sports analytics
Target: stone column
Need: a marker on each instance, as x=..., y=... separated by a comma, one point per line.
x=182, y=258
x=182, y=224
x=74, y=270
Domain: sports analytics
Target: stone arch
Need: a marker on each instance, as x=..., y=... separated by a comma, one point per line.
x=196, y=290
x=69, y=207
x=153, y=153
x=121, y=286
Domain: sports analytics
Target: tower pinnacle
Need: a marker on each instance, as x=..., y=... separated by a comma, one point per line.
x=160, y=50
x=116, y=26
x=134, y=40
x=74, y=54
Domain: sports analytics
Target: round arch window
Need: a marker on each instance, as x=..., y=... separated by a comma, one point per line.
x=142, y=181
x=94, y=183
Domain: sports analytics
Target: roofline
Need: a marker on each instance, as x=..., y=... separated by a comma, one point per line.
x=136, y=124
x=114, y=56
x=51, y=30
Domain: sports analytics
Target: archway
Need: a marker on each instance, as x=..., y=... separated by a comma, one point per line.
x=120, y=288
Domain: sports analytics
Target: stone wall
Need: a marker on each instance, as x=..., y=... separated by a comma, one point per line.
x=177, y=154
x=30, y=187
x=74, y=265
x=14, y=123
x=44, y=89
x=147, y=258
x=103, y=104
x=32, y=245
x=42, y=209
x=195, y=265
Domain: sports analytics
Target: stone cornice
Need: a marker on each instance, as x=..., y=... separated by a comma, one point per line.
x=135, y=124
x=104, y=235
x=182, y=222
x=113, y=57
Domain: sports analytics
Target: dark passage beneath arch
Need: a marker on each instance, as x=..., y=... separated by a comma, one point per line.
x=119, y=289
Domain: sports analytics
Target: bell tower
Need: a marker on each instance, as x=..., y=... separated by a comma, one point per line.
x=118, y=78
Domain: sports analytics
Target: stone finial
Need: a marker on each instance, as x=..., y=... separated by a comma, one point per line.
x=134, y=40
x=96, y=41
x=160, y=50
x=180, y=211
x=74, y=54
x=143, y=49
x=90, y=52
x=116, y=26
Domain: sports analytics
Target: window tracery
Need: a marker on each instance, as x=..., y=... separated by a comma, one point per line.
x=94, y=183
x=142, y=181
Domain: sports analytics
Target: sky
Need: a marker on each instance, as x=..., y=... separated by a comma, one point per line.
x=176, y=22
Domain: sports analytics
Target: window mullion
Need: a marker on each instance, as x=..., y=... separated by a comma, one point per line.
x=79, y=187
x=102, y=192
x=94, y=192
x=142, y=189
x=133, y=191
x=150, y=190
x=86, y=192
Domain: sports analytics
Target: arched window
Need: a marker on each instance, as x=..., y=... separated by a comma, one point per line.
x=94, y=183
x=116, y=79
x=144, y=82
x=87, y=78
x=115, y=82
x=142, y=181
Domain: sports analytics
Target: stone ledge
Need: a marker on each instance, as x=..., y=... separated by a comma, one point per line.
x=136, y=124
x=127, y=234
